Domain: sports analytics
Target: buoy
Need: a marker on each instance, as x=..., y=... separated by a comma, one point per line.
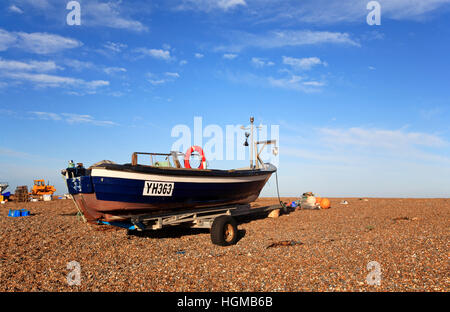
x=311, y=200
x=188, y=157
x=325, y=203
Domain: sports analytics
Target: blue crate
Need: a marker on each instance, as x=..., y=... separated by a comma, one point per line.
x=18, y=213
x=13, y=213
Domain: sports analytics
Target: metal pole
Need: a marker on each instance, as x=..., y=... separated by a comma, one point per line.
x=251, y=142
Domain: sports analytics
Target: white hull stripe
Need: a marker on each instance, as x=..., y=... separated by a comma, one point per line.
x=107, y=173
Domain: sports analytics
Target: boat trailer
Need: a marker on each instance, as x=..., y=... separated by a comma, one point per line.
x=220, y=220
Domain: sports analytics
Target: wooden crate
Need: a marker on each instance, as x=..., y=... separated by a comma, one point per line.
x=21, y=194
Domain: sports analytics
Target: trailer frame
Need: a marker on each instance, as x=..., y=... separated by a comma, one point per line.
x=204, y=218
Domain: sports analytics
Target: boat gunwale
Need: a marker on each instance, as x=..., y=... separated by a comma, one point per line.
x=186, y=171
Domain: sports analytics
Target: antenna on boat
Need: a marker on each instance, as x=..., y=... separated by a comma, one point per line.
x=252, y=119
x=254, y=153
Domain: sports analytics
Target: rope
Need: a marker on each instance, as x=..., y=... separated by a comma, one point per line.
x=285, y=208
x=79, y=213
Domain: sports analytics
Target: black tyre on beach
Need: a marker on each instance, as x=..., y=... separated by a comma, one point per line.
x=224, y=231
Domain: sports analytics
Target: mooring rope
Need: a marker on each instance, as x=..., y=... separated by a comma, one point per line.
x=79, y=213
x=285, y=208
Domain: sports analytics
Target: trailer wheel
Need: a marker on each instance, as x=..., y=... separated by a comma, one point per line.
x=224, y=231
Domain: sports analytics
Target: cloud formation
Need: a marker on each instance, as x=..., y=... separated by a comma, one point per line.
x=285, y=38
x=325, y=12
x=261, y=62
x=155, y=53
x=305, y=63
x=37, y=73
x=15, y=9
x=39, y=43
x=160, y=79
x=71, y=118
x=229, y=56
x=38, y=66
x=210, y=5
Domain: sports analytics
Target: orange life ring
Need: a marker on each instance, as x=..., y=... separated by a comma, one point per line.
x=189, y=152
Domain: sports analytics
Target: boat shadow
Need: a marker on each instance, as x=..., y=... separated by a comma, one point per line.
x=176, y=232
x=179, y=231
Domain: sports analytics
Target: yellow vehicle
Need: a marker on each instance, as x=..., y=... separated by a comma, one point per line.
x=40, y=188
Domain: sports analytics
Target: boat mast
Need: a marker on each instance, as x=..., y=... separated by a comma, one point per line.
x=251, y=141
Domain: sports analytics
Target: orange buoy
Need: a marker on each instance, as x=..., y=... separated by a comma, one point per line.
x=188, y=157
x=325, y=203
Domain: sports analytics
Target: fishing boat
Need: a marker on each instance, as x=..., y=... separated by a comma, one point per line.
x=3, y=186
x=107, y=191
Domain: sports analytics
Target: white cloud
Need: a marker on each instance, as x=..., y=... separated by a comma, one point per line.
x=7, y=40
x=71, y=118
x=15, y=9
x=39, y=43
x=388, y=139
x=410, y=9
x=44, y=43
x=174, y=75
x=297, y=83
x=155, y=79
x=156, y=82
x=183, y=62
x=210, y=5
x=38, y=66
x=279, y=39
x=313, y=83
x=54, y=81
x=320, y=12
x=199, y=55
x=229, y=56
x=103, y=13
x=39, y=4
x=303, y=63
x=155, y=53
x=13, y=153
x=78, y=65
x=114, y=70
x=109, y=14
x=228, y=4
x=432, y=112
x=397, y=161
x=94, y=84
x=291, y=82
x=261, y=62
x=117, y=94
x=46, y=116
x=77, y=118
x=36, y=73
x=115, y=46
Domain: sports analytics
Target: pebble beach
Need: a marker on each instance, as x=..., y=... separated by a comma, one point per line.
x=405, y=242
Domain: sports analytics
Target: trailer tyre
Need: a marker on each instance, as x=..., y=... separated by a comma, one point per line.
x=224, y=231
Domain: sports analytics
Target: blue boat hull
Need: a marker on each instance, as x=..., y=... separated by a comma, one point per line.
x=112, y=195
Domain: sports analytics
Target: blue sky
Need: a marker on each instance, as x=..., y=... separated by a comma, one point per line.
x=362, y=110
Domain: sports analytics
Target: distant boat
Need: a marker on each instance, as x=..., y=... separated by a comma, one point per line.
x=3, y=186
